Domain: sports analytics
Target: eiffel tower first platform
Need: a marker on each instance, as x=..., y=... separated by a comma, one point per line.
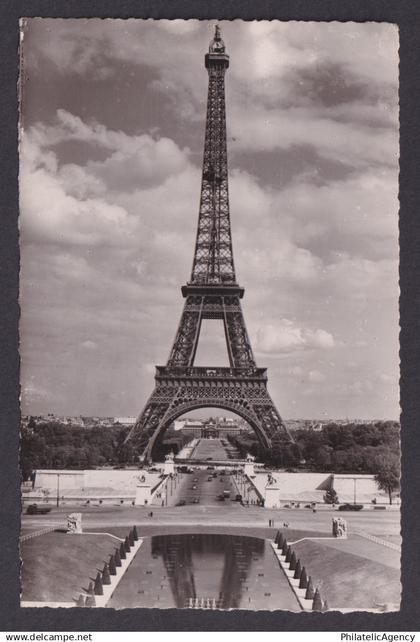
x=211, y=293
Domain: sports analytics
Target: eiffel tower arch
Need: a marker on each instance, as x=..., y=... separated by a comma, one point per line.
x=211, y=293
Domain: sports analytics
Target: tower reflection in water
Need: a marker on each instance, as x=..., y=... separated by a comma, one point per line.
x=207, y=570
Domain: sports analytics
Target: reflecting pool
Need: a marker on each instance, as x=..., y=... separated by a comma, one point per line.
x=205, y=571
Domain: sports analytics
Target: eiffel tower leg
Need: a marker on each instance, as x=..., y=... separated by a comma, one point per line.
x=270, y=419
x=239, y=345
x=147, y=425
x=186, y=339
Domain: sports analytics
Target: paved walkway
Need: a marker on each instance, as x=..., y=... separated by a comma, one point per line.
x=210, y=448
x=224, y=513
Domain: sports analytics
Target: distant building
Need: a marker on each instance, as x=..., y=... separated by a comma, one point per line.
x=92, y=422
x=125, y=421
x=211, y=427
x=190, y=426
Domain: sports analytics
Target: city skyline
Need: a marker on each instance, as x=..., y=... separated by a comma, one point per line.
x=113, y=125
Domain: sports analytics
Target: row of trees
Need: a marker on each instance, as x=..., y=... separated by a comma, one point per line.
x=50, y=444
x=54, y=445
x=349, y=448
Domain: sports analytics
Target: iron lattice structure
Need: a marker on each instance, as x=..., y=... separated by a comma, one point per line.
x=211, y=293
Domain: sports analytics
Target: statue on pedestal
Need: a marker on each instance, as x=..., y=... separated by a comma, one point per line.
x=270, y=479
x=74, y=524
x=169, y=466
x=339, y=527
x=249, y=465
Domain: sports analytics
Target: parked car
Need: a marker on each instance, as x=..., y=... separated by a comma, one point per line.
x=34, y=509
x=350, y=507
x=181, y=502
x=196, y=500
x=194, y=488
x=209, y=478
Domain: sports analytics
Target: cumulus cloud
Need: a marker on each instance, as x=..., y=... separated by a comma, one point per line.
x=268, y=49
x=331, y=216
x=110, y=186
x=70, y=203
x=149, y=164
x=49, y=214
x=270, y=61
x=356, y=145
x=305, y=376
x=132, y=161
x=315, y=376
x=285, y=337
x=355, y=277
x=89, y=345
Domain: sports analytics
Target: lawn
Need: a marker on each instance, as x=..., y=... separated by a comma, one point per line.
x=56, y=567
x=352, y=575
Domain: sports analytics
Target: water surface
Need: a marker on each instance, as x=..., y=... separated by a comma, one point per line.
x=205, y=571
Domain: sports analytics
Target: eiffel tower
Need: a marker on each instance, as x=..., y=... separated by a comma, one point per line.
x=211, y=293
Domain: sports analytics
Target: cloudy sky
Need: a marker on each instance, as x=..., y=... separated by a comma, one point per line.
x=111, y=146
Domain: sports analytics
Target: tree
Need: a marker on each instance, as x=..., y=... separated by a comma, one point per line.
x=322, y=458
x=388, y=475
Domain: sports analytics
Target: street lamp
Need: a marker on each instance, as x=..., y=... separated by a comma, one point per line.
x=58, y=490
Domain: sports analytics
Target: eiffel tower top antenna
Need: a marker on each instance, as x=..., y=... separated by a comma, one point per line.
x=217, y=45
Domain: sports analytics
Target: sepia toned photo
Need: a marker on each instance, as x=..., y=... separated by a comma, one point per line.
x=209, y=315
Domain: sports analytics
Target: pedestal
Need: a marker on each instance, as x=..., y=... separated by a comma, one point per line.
x=272, y=496
x=339, y=527
x=249, y=469
x=74, y=524
x=169, y=467
x=143, y=495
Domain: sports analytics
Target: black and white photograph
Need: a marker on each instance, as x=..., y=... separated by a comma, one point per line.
x=209, y=323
